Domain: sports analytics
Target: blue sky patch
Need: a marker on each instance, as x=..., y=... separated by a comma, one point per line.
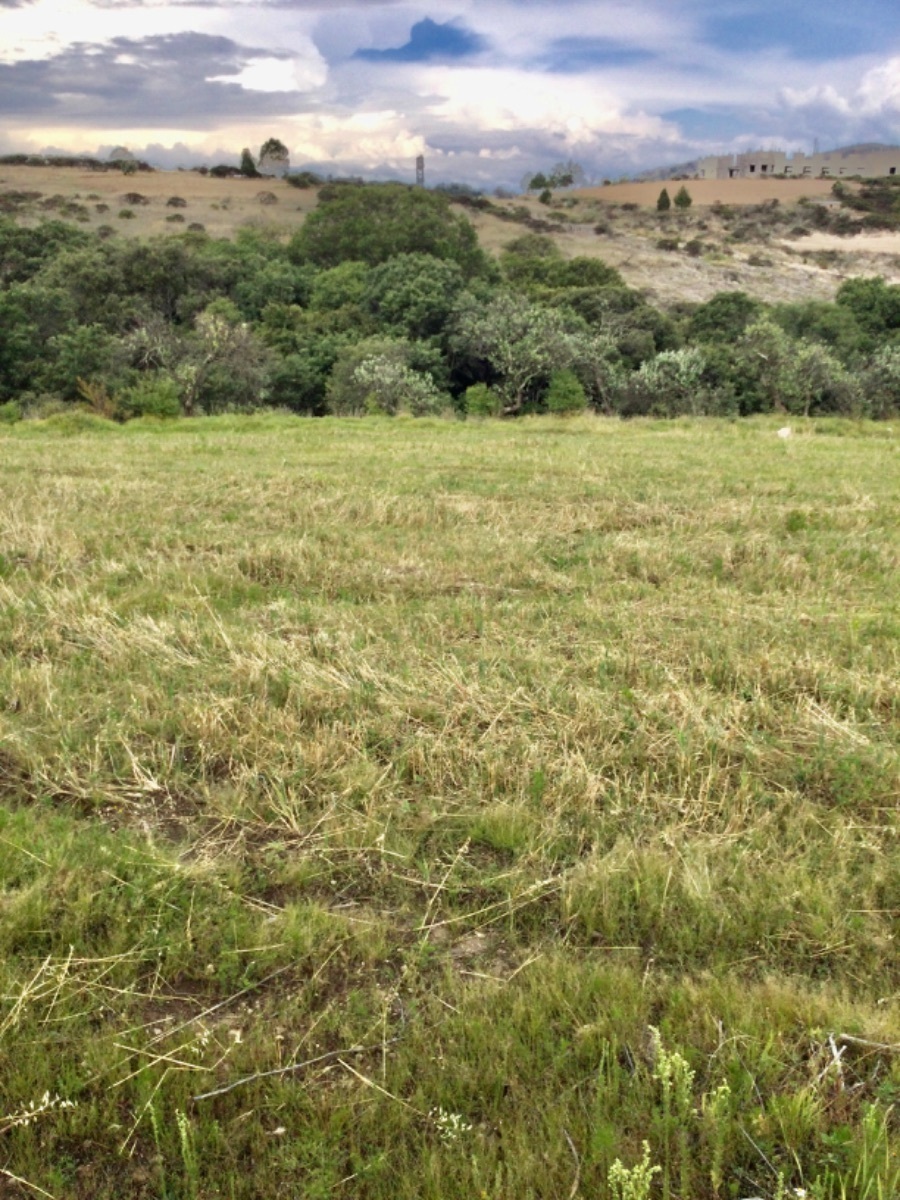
x=574, y=55
x=817, y=36
x=429, y=40
x=702, y=123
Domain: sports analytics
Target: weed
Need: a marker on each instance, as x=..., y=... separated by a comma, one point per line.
x=632, y=1183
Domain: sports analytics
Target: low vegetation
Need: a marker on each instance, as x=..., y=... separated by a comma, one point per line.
x=393, y=281
x=400, y=809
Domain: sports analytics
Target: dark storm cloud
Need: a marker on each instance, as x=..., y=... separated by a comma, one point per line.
x=428, y=41
x=152, y=81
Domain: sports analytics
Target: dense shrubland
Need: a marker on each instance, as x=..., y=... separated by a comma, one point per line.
x=384, y=301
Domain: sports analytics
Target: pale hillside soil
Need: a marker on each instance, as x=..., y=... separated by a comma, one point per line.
x=789, y=272
x=712, y=191
x=220, y=205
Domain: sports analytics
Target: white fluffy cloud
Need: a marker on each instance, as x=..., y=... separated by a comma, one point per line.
x=523, y=83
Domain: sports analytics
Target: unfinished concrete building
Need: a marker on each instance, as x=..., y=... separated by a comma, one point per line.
x=834, y=164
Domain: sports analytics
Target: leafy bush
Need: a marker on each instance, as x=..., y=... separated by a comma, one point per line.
x=723, y=318
x=880, y=383
x=663, y=202
x=392, y=387
x=565, y=393
x=152, y=396
x=303, y=179
x=669, y=385
x=480, y=401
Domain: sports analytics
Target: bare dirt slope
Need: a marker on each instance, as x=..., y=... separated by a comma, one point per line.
x=712, y=191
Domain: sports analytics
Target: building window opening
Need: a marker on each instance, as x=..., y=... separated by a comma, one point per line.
x=752, y=168
x=892, y=171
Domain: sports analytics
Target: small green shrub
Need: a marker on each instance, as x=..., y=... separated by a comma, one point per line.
x=683, y=198
x=565, y=394
x=126, y=214
x=153, y=396
x=480, y=401
x=667, y=243
x=10, y=412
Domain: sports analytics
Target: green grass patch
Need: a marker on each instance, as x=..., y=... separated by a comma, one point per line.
x=397, y=809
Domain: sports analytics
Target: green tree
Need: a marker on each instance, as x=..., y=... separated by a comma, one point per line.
x=393, y=387
x=880, y=383
x=669, y=385
x=248, y=165
x=373, y=223
x=833, y=325
x=723, y=318
x=374, y=374
x=683, y=198
x=875, y=304
x=273, y=148
x=663, y=203
x=413, y=295
x=340, y=286
x=83, y=352
x=523, y=344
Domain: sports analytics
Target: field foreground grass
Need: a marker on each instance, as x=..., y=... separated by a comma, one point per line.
x=418, y=809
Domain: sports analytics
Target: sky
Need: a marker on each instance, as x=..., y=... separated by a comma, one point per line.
x=488, y=90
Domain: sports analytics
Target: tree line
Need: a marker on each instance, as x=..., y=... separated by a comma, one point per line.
x=383, y=301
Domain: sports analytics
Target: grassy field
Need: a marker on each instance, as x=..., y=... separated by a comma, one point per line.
x=396, y=809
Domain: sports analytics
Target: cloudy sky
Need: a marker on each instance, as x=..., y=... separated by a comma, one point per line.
x=487, y=89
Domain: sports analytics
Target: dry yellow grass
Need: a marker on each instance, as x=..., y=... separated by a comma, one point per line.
x=705, y=192
x=220, y=205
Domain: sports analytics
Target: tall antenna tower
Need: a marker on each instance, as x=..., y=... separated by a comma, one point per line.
x=420, y=171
